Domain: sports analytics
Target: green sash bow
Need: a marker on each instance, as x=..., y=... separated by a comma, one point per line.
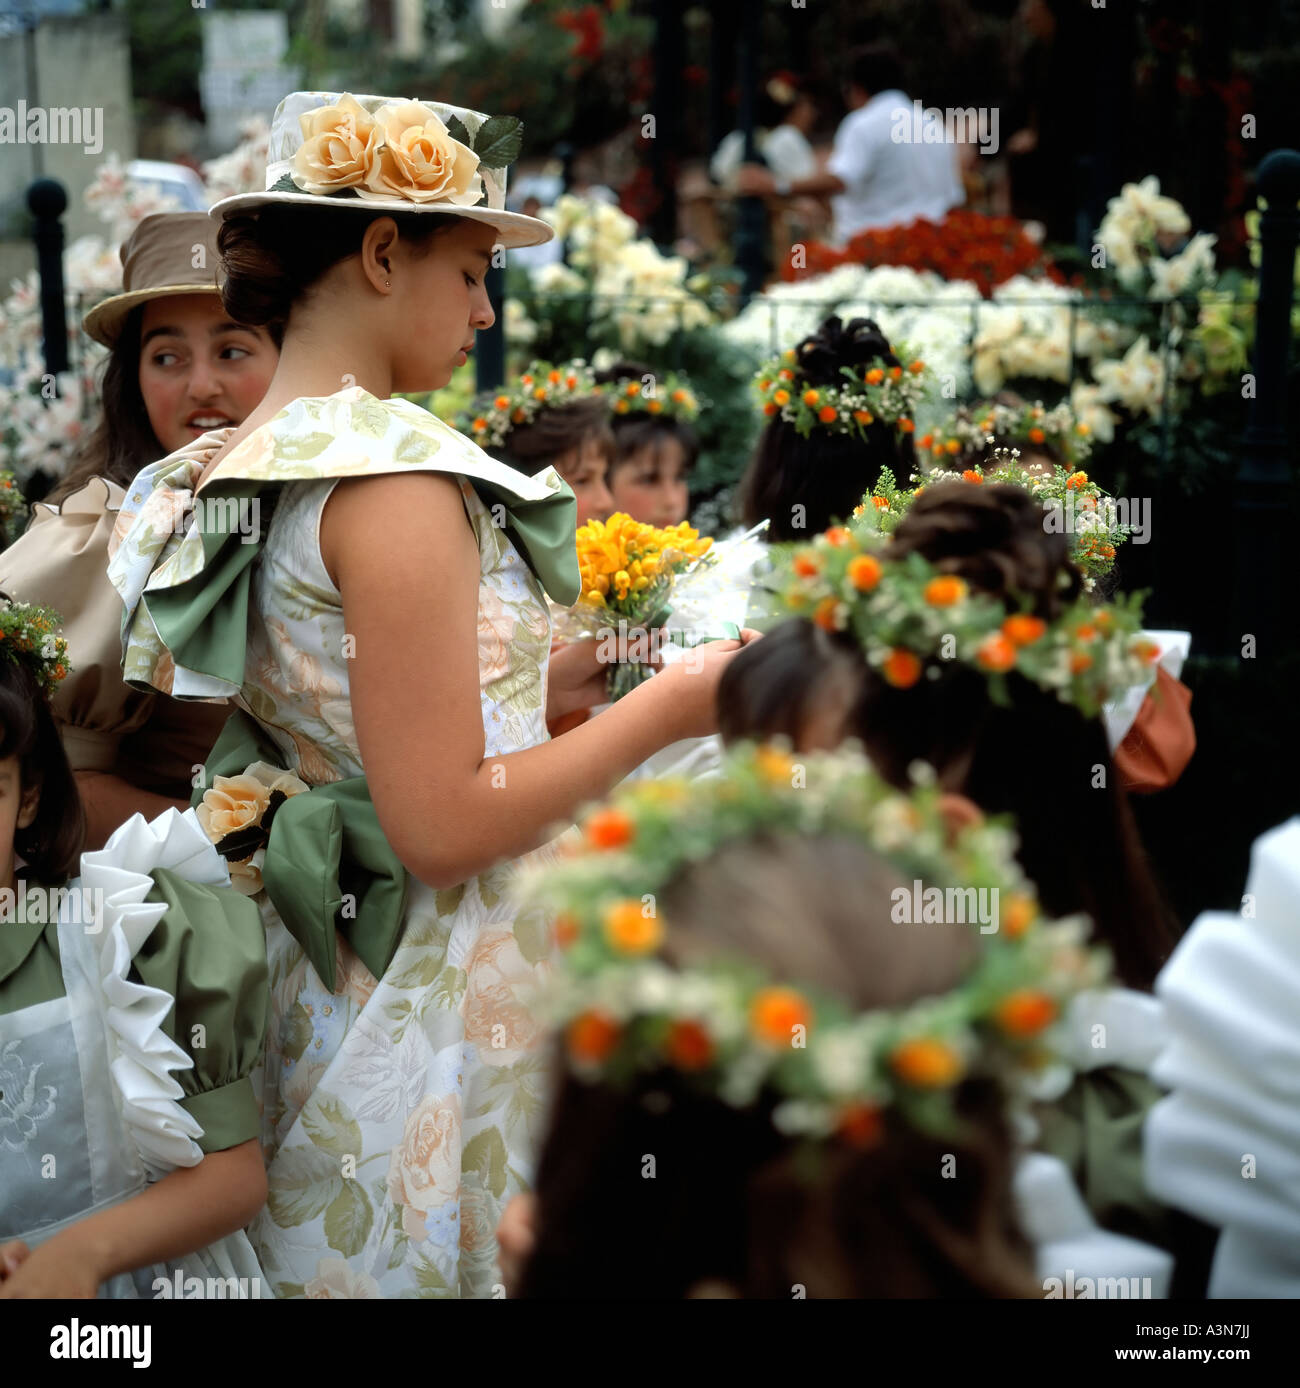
x=328, y=866
x=203, y=621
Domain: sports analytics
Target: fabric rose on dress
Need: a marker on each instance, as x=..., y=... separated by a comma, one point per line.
x=235, y=805
x=496, y=631
x=496, y=1021
x=338, y=149
x=418, y=159
x=424, y=1168
x=336, y=1281
x=479, y=1216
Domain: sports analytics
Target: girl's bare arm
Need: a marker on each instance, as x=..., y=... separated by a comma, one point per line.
x=185, y=1211
x=402, y=553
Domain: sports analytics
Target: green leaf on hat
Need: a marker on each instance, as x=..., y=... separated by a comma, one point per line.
x=456, y=129
x=284, y=184
x=498, y=141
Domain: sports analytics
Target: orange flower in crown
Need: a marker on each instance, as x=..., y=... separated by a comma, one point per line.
x=625, y=1004
x=912, y=619
x=493, y=415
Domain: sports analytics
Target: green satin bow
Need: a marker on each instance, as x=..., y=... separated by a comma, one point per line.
x=328, y=867
x=203, y=621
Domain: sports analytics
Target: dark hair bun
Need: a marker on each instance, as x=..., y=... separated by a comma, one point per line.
x=821, y=357
x=274, y=254
x=258, y=288
x=996, y=539
x=624, y=370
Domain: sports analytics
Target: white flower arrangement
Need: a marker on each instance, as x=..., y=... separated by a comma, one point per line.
x=1137, y=381
x=1135, y=226
x=645, y=296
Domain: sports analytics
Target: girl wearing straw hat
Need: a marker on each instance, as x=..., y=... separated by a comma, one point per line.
x=386, y=641
x=178, y=366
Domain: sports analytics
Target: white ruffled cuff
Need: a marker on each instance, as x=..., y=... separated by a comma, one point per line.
x=1074, y=1258
x=1225, y=1144
x=141, y=1055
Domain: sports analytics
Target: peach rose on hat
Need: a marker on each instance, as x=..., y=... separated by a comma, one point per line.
x=402, y=150
x=338, y=148
x=417, y=158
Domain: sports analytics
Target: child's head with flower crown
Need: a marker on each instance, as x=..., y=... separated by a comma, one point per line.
x=550, y=416
x=774, y=1078
x=808, y=470
x=1027, y=744
x=655, y=442
x=41, y=817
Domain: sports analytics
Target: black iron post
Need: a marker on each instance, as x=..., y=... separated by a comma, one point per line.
x=751, y=213
x=490, y=344
x=722, y=49
x=669, y=59
x=48, y=201
x=1264, y=474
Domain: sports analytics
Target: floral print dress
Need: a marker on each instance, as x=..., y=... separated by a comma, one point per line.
x=398, y=1113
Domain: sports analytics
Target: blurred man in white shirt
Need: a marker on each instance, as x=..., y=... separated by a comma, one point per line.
x=886, y=168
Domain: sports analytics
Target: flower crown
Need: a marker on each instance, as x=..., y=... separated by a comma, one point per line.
x=492, y=415
x=29, y=636
x=890, y=394
x=971, y=428
x=12, y=504
x=670, y=396
x=1071, y=501
x=911, y=619
x=732, y=1029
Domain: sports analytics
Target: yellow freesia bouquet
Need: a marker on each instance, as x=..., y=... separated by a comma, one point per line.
x=628, y=571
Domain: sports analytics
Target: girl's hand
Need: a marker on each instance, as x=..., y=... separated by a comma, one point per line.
x=516, y=1235
x=575, y=679
x=693, y=682
x=57, y=1269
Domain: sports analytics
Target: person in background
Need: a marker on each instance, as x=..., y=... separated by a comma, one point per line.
x=881, y=1160
x=786, y=116
x=178, y=367
x=655, y=443
x=873, y=180
x=111, y=966
x=803, y=476
x=566, y=426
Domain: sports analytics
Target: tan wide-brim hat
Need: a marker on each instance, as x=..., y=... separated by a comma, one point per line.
x=168, y=253
x=391, y=154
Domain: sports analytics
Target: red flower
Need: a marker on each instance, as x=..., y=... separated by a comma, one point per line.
x=589, y=27
x=965, y=245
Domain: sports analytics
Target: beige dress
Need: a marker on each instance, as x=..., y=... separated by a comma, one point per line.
x=61, y=561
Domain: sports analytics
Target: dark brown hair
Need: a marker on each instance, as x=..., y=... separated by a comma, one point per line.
x=52, y=843
x=275, y=253
x=556, y=431
x=1037, y=758
x=836, y=1219
x=638, y=429
x=825, y=474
